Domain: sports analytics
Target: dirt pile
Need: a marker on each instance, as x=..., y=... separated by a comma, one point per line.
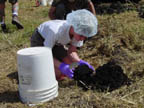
x=107, y=77
x=84, y=75
x=114, y=1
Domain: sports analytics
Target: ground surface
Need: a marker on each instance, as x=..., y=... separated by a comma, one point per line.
x=120, y=38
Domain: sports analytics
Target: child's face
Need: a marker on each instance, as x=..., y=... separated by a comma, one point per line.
x=79, y=37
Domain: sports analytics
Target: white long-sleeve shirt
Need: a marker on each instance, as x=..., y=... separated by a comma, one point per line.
x=57, y=32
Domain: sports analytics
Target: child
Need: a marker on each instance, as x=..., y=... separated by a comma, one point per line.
x=15, y=20
x=64, y=36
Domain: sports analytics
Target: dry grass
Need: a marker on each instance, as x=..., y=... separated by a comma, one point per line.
x=120, y=37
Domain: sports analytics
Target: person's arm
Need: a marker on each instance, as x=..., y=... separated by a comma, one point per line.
x=91, y=7
x=75, y=58
x=52, y=12
x=56, y=66
x=56, y=63
x=72, y=54
x=61, y=67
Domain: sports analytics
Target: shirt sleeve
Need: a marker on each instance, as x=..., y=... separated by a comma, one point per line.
x=49, y=42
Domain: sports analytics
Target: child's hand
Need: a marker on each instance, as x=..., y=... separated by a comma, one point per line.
x=82, y=62
x=65, y=69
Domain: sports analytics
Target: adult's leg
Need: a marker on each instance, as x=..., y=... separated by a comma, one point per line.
x=2, y=15
x=15, y=8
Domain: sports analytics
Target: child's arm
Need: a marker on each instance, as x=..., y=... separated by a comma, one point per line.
x=72, y=54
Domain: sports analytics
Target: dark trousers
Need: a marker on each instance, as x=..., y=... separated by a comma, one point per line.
x=59, y=51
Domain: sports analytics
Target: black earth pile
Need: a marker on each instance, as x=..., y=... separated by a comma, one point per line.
x=114, y=1
x=107, y=77
x=84, y=75
x=110, y=77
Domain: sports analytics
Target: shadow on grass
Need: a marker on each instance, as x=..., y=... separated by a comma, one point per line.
x=6, y=31
x=13, y=75
x=9, y=29
x=116, y=7
x=114, y=1
x=103, y=7
x=9, y=96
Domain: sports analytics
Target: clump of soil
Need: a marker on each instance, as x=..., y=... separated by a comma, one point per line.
x=107, y=77
x=84, y=75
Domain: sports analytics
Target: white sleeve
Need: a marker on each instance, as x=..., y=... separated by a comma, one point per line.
x=49, y=42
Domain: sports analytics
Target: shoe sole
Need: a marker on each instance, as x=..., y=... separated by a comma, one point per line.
x=19, y=26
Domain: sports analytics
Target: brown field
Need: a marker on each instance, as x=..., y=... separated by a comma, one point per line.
x=120, y=38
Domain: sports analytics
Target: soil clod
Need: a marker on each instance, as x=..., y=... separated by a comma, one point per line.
x=108, y=77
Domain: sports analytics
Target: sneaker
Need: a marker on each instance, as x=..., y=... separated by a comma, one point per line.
x=3, y=26
x=16, y=22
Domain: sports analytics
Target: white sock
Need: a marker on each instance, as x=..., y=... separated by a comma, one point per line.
x=15, y=14
x=2, y=23
x=15, y=9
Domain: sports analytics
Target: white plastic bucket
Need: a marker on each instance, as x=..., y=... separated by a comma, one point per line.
x=37, y=97
x=44, y=2
x=37, y=82
x=50, y=2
